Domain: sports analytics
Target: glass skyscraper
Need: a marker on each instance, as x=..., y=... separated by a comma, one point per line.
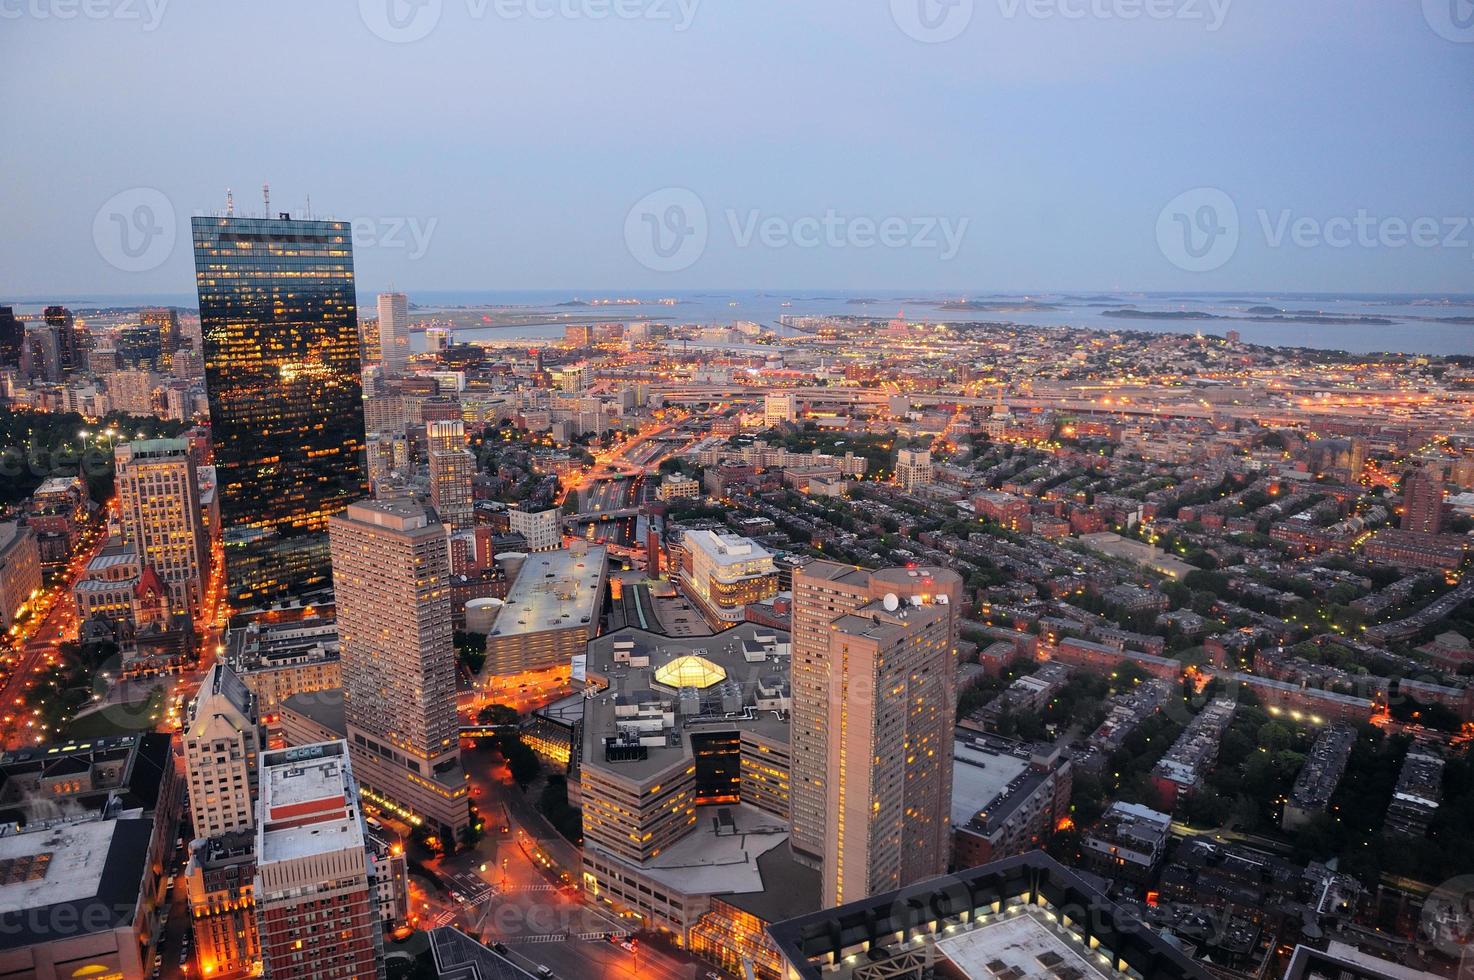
x=280, y=328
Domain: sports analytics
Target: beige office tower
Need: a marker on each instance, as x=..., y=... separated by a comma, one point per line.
x=391, y=574
x=393, y=333
x=222, y=736
x=451, y=489
x=159, y=509
x=874, y=700
x=913, y=468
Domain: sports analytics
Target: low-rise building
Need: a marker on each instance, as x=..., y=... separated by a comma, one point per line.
x=219, y=884
x=1128, y=842
x=1005, y=800
x=285, y=652
x=726, y=573
x=1416, y=799
x=1182, y=769
x=551, y=611
x=541, y=529
x=80, y=898
x=1319, y=776
x=1023, y=916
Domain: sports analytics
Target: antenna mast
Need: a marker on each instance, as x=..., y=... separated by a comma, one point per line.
x=266, y=198
x=229, y=203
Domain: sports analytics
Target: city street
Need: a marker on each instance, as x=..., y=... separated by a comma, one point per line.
x=519, y=889
x=34, y=645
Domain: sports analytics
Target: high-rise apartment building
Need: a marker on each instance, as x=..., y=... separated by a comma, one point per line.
x=222, y=737
x=874, y=699
x=280, y=333
x=913, y=468
x=445, y=435
x=394, y=333
x=391, y=572
x=451, y=491
x=316, y=905
x=1422, y=503
x=161, y=516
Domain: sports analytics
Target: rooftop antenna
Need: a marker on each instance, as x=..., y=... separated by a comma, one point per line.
x=266, y=198
x=229, y=203
x=309, y=207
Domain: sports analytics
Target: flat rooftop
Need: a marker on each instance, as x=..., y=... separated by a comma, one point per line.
x=981, y=777
x=1025, y=944
x=629, y=684
x=706, y=862
x=726, y=548
x=297, y=779
x=553, y=590
x=84, y=866
x=1023, y=916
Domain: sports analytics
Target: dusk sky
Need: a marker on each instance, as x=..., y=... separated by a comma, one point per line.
x=1033, y=151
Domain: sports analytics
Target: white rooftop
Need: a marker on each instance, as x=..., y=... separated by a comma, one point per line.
x=58, y=864
x=706, y=863
x=302, y=781
x=975, y=786
x=554, y=590
x=726, y=548
x=1025, y=942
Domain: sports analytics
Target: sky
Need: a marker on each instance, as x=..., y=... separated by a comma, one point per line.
x=964, y=146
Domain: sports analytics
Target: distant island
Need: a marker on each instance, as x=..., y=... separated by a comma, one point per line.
x=1313, y=318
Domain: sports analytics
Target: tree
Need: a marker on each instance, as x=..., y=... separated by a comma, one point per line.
x=498, y=714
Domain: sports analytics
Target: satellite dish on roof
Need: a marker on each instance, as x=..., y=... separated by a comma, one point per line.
x=891, y=602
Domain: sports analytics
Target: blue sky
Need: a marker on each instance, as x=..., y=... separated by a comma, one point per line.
x=505, y=150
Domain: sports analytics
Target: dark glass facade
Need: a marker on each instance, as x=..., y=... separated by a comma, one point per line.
x=66, y=336
x=718, y=759
x=12, y=337
x=280, y=329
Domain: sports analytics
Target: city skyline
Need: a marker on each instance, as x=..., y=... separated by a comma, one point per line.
x=1059, y=139
x=1050, y=556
